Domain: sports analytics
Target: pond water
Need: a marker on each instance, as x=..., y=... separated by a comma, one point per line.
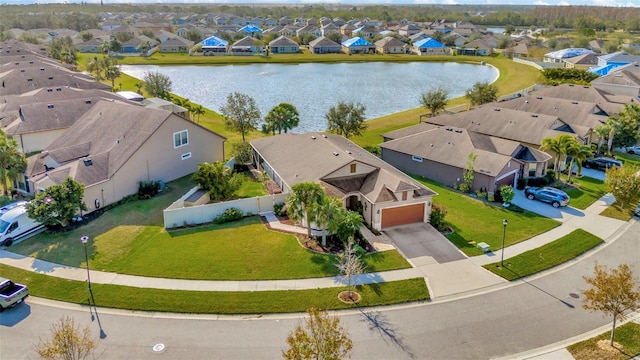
x=383, y=88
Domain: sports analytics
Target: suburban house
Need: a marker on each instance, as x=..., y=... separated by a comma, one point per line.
x=323, y=45
x=214, y=45
x=623, y=80
x=176, y=45
x=408, y=30
x=441, y=153
x=90, y=46
x=476, y=47
x=41, y=123
x=23, y=78
x=583, y=62
x=284, y=45
x=583, y=117
x=526, y=128
x=558, y=57
x=384, y=195
x=391, y=45
x=357, y=45
x=429, y=46
x=610, y=103
x=114, y=146
x=247, y=46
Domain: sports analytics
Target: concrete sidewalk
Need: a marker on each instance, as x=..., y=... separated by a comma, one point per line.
x=588, y=220
x=444, y=280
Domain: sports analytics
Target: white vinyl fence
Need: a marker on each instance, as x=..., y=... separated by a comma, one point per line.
x=178, y=215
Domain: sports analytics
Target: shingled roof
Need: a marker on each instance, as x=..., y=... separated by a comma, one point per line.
x=290, y=155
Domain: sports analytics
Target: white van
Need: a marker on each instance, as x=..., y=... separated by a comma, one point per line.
x=15, y=224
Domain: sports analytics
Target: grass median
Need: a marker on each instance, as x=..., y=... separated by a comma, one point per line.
x=547, y=256
x=214, y=302
x=627, y=336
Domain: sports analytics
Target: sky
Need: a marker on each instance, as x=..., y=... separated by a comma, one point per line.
x=616, y=3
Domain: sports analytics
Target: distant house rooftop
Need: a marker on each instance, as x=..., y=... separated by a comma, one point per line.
x=130, y=95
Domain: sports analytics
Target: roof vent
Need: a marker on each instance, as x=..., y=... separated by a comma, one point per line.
x=49, y=90
x=574, y=102
x=49, y=106
x=449, y=129
x=335, y=153
x=21, y=70
x=539, y=97
x=87, y=161
x=41, y=69
x=526, y=101
x=324, y=136
x=459, y=131
x=430, y=145
x=50, y=77
x=571, y=85
x=496, y=109
x=313, y=137
x=87, y=101
x=534, y=115
x=30, y=62
x=17, y=63
x=58, y=89
x=348, y=152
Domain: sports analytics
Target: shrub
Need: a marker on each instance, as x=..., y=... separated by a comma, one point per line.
x=279, y=209
x=481, y=194
x=436, y=218
x=522, y=183
x=550, y=177
x=507, y=193
x=464, y=187
x=537, y=182
x=374, y=149
x=148, y=189
x=497, y=197
x=230, y=214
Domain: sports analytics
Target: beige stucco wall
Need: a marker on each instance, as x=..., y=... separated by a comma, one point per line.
x=38, y=141
x=377, y=208
x=361, y=169
x=158, y=160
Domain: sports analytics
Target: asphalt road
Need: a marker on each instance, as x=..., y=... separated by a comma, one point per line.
x=528, y=315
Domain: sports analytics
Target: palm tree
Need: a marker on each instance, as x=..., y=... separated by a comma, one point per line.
x=197, y=111
x=558, y=146
x=304, y=196
x=112, y=73
x=12, y=161
x=582, y=153
x=345, y=224
x=139, y=87
x=95, y=65
x=282, y=117
x=323, y=213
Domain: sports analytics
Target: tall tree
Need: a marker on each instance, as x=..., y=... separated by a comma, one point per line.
x=578, y=154
x=320, y=337
x=612, y=292
x=324, y=212
x=346, y=119
x=197, y=111
x=469, y=173
x=435, y=100
x=482, y=93
x=283, y=117
x=157, y=84
x=241, y=113
x=218, y=179
x=623, y=182
x=625, y=126
x=12, y=161
x=68, y=342
x=345, y=224
x=350, y=264
x=112, y=73
x=301, y=201
x=58, y=204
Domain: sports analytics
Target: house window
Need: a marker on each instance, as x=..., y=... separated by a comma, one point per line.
x=404, y=195
x=416, y=158
x=353, y=168
x=180, y=138
x=186, y=156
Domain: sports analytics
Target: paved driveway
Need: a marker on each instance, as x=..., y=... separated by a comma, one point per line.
x=561, y=214
x=420, y=239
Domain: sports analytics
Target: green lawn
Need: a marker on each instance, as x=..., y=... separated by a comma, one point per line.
x=257, y=302
x=547, y=256
x=627, y=335
x=251, y=187
x=584, y=191
x=628, y=158
x=476, y=221
x=616, y=212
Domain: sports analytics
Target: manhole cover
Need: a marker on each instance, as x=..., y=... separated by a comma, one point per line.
x=574, y=295
x=158, y=347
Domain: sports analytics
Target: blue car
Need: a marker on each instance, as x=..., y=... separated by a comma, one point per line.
x=547, y=194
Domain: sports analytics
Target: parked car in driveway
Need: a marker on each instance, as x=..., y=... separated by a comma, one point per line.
x=634, y=150
x=548, y=194
x=637, y=211
x=601, y=163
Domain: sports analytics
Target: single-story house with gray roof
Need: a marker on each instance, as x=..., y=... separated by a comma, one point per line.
x=384, y=195
x=441, y=153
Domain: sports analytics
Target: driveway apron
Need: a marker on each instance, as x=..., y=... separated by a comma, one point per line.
x=420, y=239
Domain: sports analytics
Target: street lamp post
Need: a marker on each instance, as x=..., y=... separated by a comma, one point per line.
x=84, y=240
x=504, y=234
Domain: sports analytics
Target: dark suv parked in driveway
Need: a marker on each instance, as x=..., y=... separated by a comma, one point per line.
x=547, y=194
x=602, y=163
